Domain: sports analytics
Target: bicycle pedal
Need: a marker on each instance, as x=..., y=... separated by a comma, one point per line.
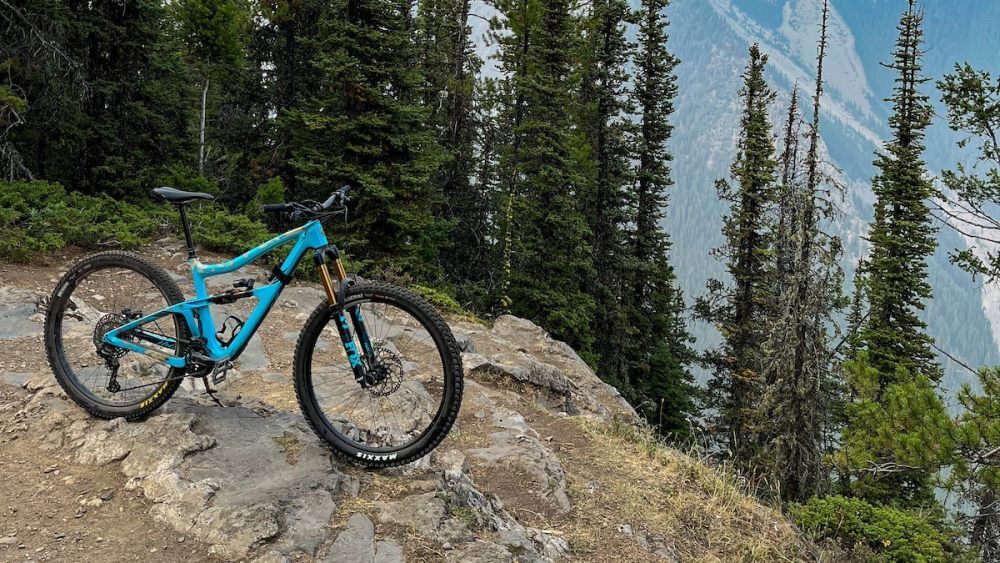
x=219, y=373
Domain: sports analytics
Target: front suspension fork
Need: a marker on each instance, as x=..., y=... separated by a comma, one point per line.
x=335, y=297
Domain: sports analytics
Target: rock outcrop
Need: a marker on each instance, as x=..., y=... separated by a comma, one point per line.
x=254, y=483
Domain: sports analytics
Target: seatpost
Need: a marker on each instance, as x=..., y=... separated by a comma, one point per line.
x=187, y=233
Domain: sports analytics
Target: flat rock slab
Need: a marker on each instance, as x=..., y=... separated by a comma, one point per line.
x=18, y=308
x=238, y=478
x=15, y=379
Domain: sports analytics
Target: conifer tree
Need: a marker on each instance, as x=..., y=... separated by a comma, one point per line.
x=739, y=311
x=213, y=31
x=365, y=127
x=895, y=347
x=551, y=259
x=449, y=64
x=602, y=113
x=972, y=97
x=902, y=235
x=658, y=350
x=799, y=381
x=513, y=30
x=108, y=120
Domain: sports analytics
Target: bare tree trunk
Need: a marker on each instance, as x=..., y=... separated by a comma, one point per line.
x=201, y=137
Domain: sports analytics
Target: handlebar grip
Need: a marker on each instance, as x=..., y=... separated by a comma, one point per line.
x=275, y=207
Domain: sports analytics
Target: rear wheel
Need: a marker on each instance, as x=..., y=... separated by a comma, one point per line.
x=102, y=292
x=416, y=372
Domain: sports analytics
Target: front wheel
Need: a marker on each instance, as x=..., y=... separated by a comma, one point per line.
x=413, y=392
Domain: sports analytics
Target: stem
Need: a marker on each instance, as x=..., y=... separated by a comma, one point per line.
x=201, y=143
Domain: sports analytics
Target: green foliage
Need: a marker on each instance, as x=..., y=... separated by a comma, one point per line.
x=364, y=127
x=551, y=255
x=739, y=312
x=272, y=191
x=186, y=178
x=897, y=419
x=39, y=217
x=973, y=100
x=902, y=234
x=212, y=29
x=108, y=119
x=656, y=349
x=872, y=533
x=216, y=228
x=439, y=299
x=897, y=436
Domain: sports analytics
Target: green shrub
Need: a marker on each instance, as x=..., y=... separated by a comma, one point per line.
x=187, y=179
x=39, y=217
x=216, y=228
x=438, y=298
x=873, y=533
x=271, y=192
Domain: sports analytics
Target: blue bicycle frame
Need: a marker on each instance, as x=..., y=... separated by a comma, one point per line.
x=198, y=315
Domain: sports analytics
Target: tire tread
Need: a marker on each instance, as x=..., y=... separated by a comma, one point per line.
x=453, y=355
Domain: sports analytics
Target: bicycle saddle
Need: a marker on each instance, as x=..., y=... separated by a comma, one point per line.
x=181, y=197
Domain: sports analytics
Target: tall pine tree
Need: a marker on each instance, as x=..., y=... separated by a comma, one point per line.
x=902, y=235
x=364, y=126
x=602, y=113
x=738, y=311
x=449, y=64
x=550, y=256
x=658, y=350
x=896, y=361
x=795, y=410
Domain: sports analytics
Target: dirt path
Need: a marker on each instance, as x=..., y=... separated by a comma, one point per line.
x=68, y=512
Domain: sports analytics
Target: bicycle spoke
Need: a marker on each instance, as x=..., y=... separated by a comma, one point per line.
x=396, y=409
x=104, y=299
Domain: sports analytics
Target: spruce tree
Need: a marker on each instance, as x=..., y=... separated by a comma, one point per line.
x=105, y=100
x=658, y=351
x=449, y=64
x=603, y=117
x=514, y=31
x=795, y=412
x=895, y=348
x=364, y=126
x=214, y=34
x=738, y=311
x=550, y=256
x=902, y=235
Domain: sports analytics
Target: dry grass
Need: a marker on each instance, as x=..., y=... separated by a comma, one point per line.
x=705, y=512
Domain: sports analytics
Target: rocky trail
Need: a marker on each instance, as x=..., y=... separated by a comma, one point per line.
x=544, y=464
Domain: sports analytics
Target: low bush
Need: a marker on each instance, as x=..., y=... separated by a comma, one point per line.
x=39, y=217
x=872, y=533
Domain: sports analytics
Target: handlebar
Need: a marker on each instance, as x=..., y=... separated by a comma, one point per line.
x=309, y=208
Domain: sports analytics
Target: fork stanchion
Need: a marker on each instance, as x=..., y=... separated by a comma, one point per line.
x=331, y=295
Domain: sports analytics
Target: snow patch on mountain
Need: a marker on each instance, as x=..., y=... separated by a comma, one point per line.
x=843, y=71
x=979, y=240
x=776, y=46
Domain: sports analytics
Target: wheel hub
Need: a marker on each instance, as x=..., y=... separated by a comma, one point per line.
x=386, y=374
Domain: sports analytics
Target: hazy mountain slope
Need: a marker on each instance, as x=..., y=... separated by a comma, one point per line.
x=711, y=38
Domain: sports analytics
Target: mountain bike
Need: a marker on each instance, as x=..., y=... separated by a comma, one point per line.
x=377, y=372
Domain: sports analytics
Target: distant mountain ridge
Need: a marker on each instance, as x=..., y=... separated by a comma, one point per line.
x=711, y=38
